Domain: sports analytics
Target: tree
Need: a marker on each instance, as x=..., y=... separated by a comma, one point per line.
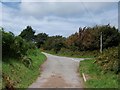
x=40, y=39
x=14, y=46
x=58, y=43
x=88, y=38
x=28, y=34
x=55, y=43
x=111, y=36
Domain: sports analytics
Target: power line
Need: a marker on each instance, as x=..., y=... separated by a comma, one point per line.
x=88, y=12
x=91, y=15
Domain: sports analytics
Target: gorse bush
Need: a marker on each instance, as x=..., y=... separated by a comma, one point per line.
x=7, y=42
x=20, y=46
x=14, y=46
x=109, y=60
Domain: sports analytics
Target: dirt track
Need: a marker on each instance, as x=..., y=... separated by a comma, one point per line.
x=59, y=72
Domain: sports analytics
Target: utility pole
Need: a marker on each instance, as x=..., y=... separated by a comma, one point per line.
x=101, y=43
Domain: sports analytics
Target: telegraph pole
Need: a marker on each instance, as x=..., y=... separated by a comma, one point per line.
x=101, y=43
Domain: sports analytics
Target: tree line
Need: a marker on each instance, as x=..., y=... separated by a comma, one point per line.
x=87, y=38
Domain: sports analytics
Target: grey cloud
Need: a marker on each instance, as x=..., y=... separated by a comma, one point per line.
x=69, y=1
x=63, y=18
x=64, y=9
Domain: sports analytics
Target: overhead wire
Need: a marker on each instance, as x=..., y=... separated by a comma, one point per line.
x=88, y=12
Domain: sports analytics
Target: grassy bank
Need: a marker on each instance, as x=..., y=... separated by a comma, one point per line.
x=96, y=78
x=18, y=75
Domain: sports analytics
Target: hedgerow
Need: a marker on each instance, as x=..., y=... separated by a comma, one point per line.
x=109, y=60
x=15, y=47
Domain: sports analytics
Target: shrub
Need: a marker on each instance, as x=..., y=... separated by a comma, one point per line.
x=108, y=60
x=27, y=61
x=7, y=41
x=14, y=46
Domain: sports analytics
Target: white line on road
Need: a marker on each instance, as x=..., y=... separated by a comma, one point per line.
x=77, y=60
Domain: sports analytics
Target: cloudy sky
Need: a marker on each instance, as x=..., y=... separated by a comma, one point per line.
x=56, y=18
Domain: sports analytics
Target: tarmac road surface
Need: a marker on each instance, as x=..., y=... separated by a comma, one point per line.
x=59, y=72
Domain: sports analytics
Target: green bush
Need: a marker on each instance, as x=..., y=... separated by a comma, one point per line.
x=27, y=61
x=108, y=60
x=20, y=46
x=14, y=46
x=7, y=41
x=22, y=74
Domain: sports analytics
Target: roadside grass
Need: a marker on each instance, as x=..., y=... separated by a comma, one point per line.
x=18, y=74
x=73, y=54
x=96, y=78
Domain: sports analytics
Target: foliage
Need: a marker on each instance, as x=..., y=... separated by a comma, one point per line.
x=20, y=46
x=18, y=75
x=55, y=43
x=28, y=34
x=7, y=41
x=40, y=39
x=27, y=61
x=109, y=60
x=95, y=77
x=14, y=46
x=111, y=36
x=20, y=59
x=88, y=38
x=119, y=57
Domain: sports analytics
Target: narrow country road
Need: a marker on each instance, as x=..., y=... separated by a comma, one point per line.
x=59, y=72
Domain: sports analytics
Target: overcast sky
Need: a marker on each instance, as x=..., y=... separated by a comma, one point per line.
x=56, y=18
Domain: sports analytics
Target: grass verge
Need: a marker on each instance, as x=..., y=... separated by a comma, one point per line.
x=18, y=74
x=96, y=78
x=72, y=54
